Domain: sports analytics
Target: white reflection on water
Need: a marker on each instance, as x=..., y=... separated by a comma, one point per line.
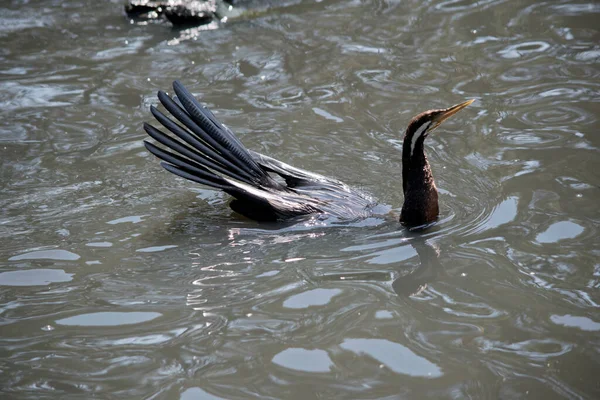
x=195, y=393
x=34, y=277
x=315, y=297
x=109, y=318
x=395, y=356
x=304, y=360
x=572, y=321
x=560, y=231
x=56, y=254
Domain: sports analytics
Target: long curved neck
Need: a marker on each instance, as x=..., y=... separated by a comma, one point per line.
x=420, y=193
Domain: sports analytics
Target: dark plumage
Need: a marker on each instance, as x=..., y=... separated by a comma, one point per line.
x=205, y=151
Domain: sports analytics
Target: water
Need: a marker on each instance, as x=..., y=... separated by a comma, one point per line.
x=117, y=280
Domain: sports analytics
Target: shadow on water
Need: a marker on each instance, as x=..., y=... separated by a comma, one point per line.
x=406, y=280
x=428, y=271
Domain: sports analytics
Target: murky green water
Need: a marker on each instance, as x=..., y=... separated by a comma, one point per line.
x=119, y=281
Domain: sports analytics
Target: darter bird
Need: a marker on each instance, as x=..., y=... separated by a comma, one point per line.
x=200, y=148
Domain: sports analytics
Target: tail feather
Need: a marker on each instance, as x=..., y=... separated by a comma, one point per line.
x=209, y=123
x=180, y=147
x=183, y=117
x=203, y=150
x=187, y=165
x=208, y=132
x=193, y=177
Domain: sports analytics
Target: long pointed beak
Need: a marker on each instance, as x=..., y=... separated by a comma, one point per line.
x=448, y=112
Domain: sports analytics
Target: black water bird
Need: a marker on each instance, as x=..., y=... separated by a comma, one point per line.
x=205, y=151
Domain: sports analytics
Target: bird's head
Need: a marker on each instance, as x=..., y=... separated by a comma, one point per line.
x=424, y=123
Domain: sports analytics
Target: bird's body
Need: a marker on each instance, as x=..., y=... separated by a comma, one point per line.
x=207, y=152
x=325, y=195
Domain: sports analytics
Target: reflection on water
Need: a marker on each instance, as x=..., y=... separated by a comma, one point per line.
x=46, y=255
x=117, y=278
x=34, y=277
x=108, y=319
x=394, y=356
x=304, y=360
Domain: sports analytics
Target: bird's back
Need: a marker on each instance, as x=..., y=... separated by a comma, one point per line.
x=330, y=196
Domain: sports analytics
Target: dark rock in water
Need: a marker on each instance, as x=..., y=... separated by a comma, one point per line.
x=198, y=12
x=179, y=12
x=145, y=8
x=193, y=13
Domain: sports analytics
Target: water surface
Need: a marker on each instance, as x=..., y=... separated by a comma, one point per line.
x=118, y=280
